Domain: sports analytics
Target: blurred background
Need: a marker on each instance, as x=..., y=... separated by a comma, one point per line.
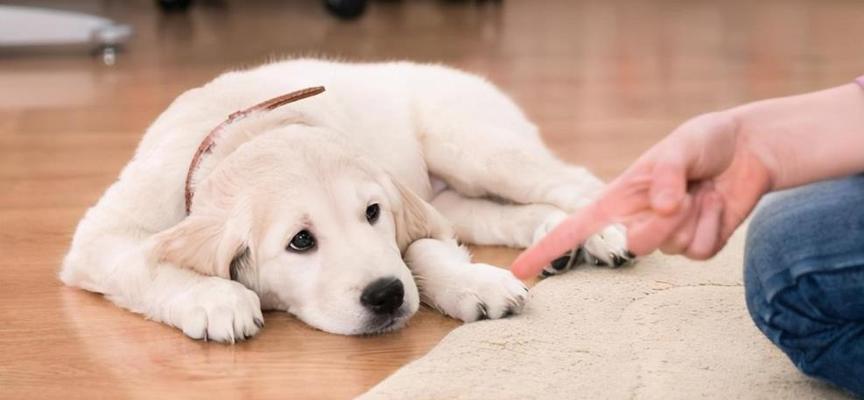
x=603, y=79
x=589, y=72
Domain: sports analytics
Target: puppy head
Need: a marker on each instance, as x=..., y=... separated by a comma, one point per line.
x=312, y=228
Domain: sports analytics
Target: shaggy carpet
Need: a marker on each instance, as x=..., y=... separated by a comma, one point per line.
x=666, y=328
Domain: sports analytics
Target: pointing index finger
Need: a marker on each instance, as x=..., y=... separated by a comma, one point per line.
x=570, y=232
x=622, y=198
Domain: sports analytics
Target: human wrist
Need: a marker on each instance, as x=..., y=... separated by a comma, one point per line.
x=754, y=145
x=805, y=138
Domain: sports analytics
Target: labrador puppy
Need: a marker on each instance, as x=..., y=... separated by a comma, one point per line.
x=345, y=209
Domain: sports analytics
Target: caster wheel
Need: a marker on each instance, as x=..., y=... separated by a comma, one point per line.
x=174, y=5
x=346, y=9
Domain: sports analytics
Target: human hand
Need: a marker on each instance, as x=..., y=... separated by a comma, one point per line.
x=686, y=195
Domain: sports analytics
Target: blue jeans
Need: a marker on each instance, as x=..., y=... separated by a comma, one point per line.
x=804, y=278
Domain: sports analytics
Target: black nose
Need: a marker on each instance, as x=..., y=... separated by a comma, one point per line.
x=383, y=296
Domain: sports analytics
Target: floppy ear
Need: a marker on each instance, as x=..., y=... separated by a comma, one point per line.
x=415, y=218
x=204, y=244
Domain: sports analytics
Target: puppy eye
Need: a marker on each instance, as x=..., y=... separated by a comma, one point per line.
x=372, y=213
x=302, y=242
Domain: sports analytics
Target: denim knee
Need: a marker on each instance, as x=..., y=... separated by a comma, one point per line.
x=804, y=278
x=821, y=332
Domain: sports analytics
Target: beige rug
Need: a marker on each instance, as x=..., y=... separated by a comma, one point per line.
x=667, y=328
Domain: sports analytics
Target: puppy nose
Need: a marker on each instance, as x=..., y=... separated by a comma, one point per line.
x=383, y=296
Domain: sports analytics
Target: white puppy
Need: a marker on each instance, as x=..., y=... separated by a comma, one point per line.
x=342, y=209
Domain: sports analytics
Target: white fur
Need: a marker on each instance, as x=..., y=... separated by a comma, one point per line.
x=381, y=133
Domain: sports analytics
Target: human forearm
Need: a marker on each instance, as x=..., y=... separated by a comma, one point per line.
x=690, y=192
x=806, y=138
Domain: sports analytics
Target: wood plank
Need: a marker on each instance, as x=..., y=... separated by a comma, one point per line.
x=603, y=80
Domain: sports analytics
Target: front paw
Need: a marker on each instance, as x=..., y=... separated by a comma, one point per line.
x=217, y=309
x=564, y=263
x=608, y=247
x=482, y=292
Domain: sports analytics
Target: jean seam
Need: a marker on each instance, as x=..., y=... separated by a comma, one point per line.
x=812, y=263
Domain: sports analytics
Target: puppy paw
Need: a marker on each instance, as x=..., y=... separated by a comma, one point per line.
x=564, y=263
x=608, y=247
x=567, y=260
x=485, y=292
x=218, y=309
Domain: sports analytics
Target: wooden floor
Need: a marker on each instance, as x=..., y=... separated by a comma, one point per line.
x=603, y=79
